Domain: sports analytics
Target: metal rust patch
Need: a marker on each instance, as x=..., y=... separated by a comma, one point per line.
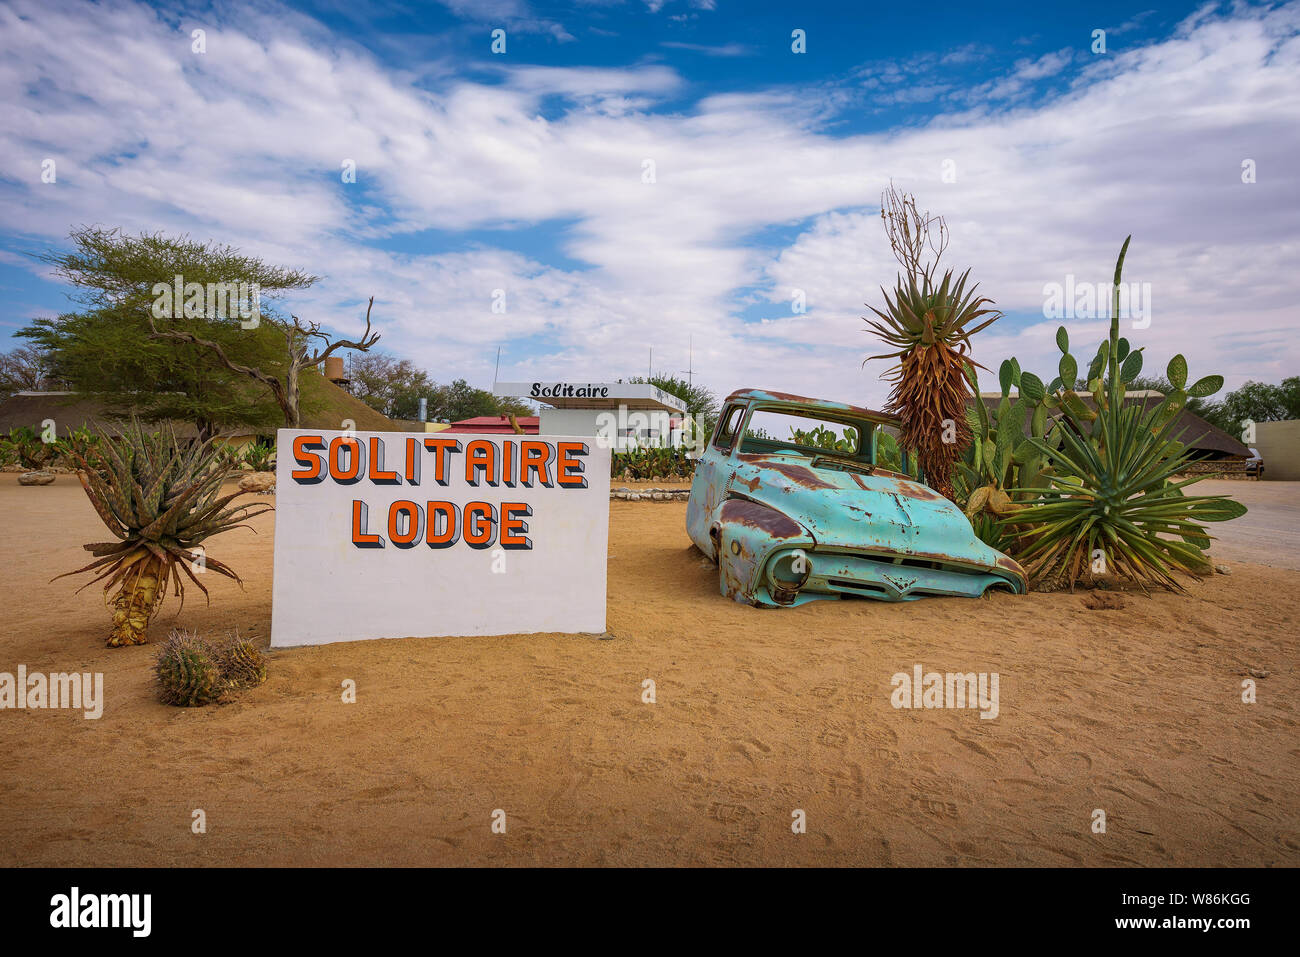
x=761, y=517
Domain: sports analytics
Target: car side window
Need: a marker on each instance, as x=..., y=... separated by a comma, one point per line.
x=727, y=425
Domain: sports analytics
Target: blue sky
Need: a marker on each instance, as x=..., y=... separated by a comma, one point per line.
x=524, y=172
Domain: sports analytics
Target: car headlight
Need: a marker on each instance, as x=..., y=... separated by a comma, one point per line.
x=787, y=573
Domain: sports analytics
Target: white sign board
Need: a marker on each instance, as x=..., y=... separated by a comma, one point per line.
x=401, y=534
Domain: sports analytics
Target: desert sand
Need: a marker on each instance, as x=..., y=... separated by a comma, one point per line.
x=1135, y=710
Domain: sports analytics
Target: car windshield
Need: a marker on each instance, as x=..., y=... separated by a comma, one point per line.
x=769, y=429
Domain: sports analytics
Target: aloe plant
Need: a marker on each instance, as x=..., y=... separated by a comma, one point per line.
x=259, y=456
x=161, y=502
x=25, y=447
x=929, y=326
x=1111, y=506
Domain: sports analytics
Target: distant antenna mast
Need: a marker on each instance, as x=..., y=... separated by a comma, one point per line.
x=496, y=373
x=690, y=362
x=650, y=367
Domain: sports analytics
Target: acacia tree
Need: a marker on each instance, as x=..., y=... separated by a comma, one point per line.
x=306, y=347
x=108, y=350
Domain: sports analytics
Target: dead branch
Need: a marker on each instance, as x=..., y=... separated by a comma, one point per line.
x=911, y=232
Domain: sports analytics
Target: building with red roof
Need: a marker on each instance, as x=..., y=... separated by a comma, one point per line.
x=495, y=424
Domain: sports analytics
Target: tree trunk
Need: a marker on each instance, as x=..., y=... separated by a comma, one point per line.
x=292, y=417
x=135, y=603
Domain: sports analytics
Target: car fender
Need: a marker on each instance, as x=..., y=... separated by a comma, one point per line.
x=745, y=534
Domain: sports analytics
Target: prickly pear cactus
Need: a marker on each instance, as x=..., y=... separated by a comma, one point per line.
x=187, y=673
x=241, y=664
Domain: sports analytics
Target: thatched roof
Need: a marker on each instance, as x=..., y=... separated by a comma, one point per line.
x=71, y=411
x=325, y=406
x=1189, y=429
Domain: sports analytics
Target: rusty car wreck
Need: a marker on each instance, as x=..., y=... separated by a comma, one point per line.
x=788, y=521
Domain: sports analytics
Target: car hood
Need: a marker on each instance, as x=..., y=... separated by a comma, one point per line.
x=879, y=512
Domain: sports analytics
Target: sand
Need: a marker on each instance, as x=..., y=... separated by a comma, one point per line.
x=1135, y=710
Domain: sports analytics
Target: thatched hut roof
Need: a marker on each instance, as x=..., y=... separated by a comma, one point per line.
x=71, y=411
x=325, y=406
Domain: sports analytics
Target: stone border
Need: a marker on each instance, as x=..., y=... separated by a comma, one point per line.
x=626, y=494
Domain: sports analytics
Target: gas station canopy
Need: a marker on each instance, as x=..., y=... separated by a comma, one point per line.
x=593, y=395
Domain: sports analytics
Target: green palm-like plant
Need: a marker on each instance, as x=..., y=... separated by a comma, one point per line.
x=162, y=502
x=1112, y=506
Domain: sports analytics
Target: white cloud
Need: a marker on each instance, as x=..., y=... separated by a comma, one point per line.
x=244, y=144
x=721, y=49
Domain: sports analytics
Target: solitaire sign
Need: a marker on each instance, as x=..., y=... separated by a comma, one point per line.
x=391, y=534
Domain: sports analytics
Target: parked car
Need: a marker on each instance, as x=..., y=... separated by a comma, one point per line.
x=1255, y=464
x=789, y=499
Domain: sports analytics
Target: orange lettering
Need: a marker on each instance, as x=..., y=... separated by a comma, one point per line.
x=449, y=534
x=360, y=521
x=378, y=474
x=481, y=454
x=480, y=533
x=565, y=460
x=514, y=531
x=314, y=468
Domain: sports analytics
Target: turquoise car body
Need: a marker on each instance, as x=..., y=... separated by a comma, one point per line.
x=789, y=524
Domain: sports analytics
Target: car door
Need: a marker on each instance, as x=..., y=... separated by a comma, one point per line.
x=708, y=487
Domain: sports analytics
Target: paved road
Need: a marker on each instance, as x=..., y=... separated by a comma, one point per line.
x=1269, y=534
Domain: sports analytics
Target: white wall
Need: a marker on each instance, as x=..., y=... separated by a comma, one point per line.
x=1279, y=445
x=327, y=588
x=587, y=421
x=567, y=421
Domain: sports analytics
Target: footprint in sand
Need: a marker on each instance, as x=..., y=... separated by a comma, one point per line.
x=832, y=738
x=645, y=767
x=730, y=813
x=750, y=749
x=935, y=808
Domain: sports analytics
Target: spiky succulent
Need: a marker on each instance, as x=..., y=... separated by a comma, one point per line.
x=1111, y=506
x=241, y=664
x=187, y=671
x=161, y=501
x=929, y=326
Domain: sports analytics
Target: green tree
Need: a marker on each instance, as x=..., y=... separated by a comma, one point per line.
x=1260, y=402
x=700, y=401
x=460, y=400
x=395, y=386
x=390, y=385
x=109, y=348
x=23, y=369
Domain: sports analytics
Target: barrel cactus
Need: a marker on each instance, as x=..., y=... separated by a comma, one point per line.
x=187, y=670
x=241, y=664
